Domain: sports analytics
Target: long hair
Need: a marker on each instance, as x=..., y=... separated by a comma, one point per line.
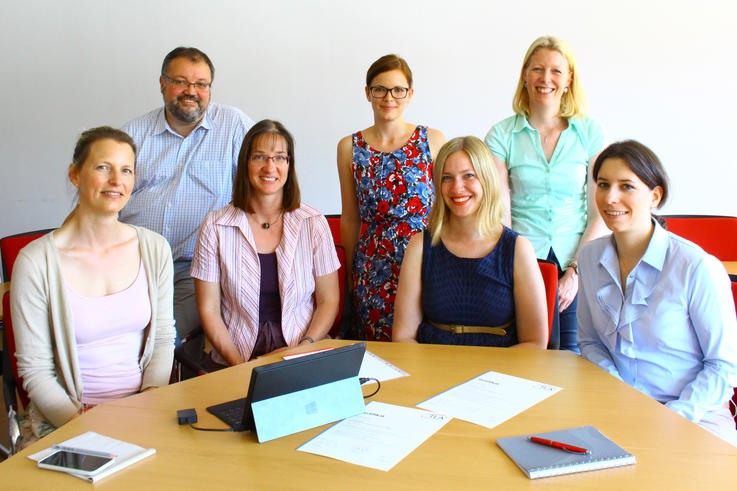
x=489, y=214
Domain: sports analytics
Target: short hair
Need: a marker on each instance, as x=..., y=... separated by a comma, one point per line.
x=242, y=185
x=641, y=161
x=489, y=214
x=192, y=54
x=89, y=137
x=388, y=63
x=573, y=103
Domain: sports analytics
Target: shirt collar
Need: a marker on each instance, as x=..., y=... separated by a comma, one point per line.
x=656, y=250
x=162, y=124
x=521, y=123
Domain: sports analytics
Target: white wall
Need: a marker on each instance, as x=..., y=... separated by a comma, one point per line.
x=663, y=72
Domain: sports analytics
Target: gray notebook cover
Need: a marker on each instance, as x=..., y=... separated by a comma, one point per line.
x=537, y=460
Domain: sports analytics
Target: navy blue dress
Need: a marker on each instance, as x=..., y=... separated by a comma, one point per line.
x=469, y=292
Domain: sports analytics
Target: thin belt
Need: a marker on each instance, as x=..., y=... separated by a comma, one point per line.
x=459, y=329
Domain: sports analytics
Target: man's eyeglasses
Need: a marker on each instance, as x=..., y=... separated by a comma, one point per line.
x=184, y=84
x=380, y=91
x=262, y=159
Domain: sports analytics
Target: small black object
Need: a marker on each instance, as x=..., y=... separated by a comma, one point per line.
x=265, y=225
x=187, y=416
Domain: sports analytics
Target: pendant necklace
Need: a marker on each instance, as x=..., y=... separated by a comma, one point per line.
x=266, y=225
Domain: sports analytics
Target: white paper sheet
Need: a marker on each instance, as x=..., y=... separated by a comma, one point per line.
x=126, y=453
x=379, y=438
x=489, y=399
x=376, y=367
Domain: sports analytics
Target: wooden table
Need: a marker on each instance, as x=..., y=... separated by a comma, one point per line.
x=672, y=453
x=730, y=266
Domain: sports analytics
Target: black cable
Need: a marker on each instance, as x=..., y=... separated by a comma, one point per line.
x=210, y=429
x=363, y=380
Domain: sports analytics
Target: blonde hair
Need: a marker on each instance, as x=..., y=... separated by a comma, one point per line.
x=489, y=214
x=573, y=103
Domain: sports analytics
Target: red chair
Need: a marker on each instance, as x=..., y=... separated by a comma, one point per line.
x=336, y=330
x=550, y=278
x=12, y=383
x=334, y=223
x=10, y=247
x=717, y=235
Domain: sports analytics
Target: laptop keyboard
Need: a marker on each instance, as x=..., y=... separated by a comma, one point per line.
x=230, y=412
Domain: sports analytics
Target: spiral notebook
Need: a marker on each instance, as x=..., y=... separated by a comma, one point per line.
x=537, y=460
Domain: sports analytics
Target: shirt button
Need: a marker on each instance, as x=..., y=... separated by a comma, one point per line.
x=169, y=205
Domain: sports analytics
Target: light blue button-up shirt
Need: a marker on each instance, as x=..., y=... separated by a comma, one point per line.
x=548, y=199
x=180, y=180
x=673, y=333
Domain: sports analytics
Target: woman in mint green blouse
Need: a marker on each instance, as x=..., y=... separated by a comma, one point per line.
x=542, y=154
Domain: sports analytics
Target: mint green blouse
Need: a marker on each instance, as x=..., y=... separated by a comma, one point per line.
x=549, y=204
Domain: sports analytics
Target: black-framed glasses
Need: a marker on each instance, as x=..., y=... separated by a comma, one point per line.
x=380, y=91
x=184, y=84
x=262, y=159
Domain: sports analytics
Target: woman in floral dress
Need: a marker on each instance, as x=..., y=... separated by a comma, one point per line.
x=386, y=189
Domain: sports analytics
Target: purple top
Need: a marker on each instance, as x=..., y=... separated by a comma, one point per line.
x=269, y=302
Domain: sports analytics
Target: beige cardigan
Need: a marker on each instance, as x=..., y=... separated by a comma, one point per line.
x=46, y=348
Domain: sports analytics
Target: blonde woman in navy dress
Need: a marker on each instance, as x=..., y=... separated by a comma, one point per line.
x=468, y=279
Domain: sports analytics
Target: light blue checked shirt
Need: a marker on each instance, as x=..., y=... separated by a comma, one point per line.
x=180, y=180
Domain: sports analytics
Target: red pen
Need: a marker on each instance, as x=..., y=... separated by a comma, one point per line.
x=559, y=445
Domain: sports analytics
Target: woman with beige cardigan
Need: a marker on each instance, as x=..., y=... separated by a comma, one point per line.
x=91, y=302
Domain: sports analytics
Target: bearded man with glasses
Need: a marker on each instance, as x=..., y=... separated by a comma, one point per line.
x=186, y=163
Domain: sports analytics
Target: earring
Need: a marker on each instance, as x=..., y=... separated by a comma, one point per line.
x=565, y=90
x=524, y=85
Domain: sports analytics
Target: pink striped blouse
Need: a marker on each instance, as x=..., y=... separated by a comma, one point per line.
x=226, y=253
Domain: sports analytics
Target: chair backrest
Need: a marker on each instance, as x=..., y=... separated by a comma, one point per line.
x=550, y=278
x=10, y=247
x=14, y=383
x=342, y=283
x=334, y=223
x=717, y=235
x=733, y=407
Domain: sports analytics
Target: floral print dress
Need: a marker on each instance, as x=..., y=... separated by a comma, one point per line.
x=395, y=194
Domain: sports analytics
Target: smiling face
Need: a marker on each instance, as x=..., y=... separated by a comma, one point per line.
x=460, y=187
x=268, y=164
x=547, y=75
x=186, y=105
x=387, y=107
x=623, y=200
x=105, y=179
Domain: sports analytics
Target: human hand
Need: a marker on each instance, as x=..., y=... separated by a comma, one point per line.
x=567, y=289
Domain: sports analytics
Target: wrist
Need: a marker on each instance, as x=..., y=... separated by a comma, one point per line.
x=306, y=338
x=574, y=267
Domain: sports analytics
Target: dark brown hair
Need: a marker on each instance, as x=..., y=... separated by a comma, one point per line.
x=192, y=54
x=87, y=138
x=242, y=185
x=388, y=63
x=640, y=160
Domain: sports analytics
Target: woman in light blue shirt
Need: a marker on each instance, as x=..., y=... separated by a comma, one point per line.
x=655, y=309
x=542, y=155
